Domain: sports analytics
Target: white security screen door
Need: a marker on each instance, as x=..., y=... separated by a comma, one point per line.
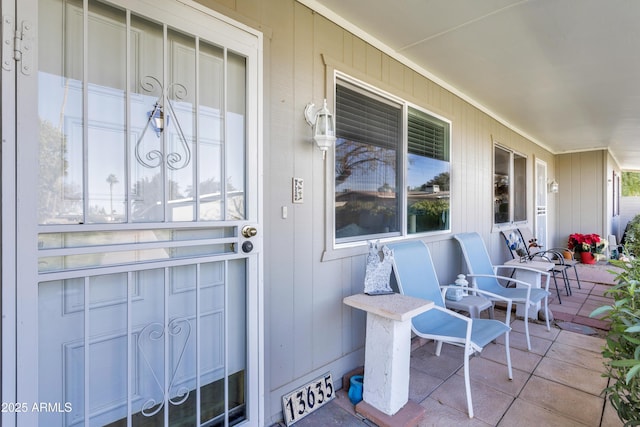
x=541, y=202
x=139, y=239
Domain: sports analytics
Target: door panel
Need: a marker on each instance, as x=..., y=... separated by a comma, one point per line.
x=144, y=304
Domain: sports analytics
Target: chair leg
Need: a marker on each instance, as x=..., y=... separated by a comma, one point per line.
x=506, y=345
x=546, y=306
x=467, y=381
x=546, y=311
x=557, y=290
x=526, y=324
x=566, y=278
x=577, y=278
x=438, y=348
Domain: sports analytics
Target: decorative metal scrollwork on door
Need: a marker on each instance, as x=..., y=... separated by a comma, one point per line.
x=159, y=120
x=155, y=333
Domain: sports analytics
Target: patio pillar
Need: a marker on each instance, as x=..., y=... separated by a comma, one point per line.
x=388, y=347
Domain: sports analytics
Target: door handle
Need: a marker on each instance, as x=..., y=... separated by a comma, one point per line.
x=249, y=231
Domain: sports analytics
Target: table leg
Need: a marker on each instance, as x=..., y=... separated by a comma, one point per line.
x=533, y=278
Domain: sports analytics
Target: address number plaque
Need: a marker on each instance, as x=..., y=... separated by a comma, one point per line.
x=303, y=401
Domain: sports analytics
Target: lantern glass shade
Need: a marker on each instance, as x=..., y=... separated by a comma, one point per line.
x=324, y=123
x=324, y=132
x=157, y=117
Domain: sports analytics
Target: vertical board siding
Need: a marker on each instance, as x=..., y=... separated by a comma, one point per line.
x=304, y=91
x=280, y=298
x=580, y=175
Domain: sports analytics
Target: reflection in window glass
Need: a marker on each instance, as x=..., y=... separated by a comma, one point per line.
x=368, y=132
x=137, y=147
x=180, y=129
x=370, y=194
x=236, y=136
x=501, y=168
x=520, y=187
x=60, y=86
x=210, y=132
x=106, y=140
x=146, y=186
x=428, y=173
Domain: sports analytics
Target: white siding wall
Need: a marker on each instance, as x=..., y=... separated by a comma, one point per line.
x=308, y=329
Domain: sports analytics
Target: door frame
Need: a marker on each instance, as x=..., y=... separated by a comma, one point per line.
x=541, y=211
x=8, y=232
x=18, y=230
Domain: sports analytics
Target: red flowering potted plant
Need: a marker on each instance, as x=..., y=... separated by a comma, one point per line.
x=587, y=245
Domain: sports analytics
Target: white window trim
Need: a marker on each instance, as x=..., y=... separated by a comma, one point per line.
x=496, y=228
x=334, y=250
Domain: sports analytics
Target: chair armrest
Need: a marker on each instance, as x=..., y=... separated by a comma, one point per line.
x=453, y=313
x=520, y=267
x=506, y=278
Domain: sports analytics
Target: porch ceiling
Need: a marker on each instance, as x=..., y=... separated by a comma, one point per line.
x=564, y=73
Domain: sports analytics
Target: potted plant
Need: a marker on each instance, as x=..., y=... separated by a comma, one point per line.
x=587, y=245
x=622, y=348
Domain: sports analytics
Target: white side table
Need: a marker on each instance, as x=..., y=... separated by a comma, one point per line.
x=387, y=347
x=533, y=277
x=472, y=304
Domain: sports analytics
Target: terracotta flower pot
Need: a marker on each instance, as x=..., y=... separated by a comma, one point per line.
x=567, y=254
x=587, y=258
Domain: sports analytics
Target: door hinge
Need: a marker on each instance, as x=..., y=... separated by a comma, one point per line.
x=17, y=45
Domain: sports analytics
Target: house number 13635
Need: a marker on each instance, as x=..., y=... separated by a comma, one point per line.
x=307, y=399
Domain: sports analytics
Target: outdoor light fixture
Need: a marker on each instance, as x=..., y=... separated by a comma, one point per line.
x=553, y=186
x=323, y=125
x=157, y=119
x=154, y=154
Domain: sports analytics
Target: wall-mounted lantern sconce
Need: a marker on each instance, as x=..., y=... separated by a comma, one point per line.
x=324, y=128
x=158, y=120
x=553, y=186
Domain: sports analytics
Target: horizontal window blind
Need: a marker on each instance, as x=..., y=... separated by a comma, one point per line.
x=363, y=119
x=426, y=136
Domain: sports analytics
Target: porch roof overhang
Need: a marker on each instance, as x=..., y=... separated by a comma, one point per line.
x=563, y=74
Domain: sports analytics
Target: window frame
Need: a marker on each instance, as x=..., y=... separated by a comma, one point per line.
x=513, y=188
x=338, y=248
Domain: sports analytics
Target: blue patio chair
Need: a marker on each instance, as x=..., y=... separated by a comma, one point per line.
x=416, y=277
x=484, y=277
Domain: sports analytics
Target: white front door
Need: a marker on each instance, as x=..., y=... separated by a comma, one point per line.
x=138, y=217
x=541, y=202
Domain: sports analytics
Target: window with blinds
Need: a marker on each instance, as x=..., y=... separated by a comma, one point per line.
x=427, y=136
x=367, y=119
x=368, y=132
x=374, y=195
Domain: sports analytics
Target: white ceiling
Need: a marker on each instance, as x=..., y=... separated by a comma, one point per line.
x=565, y=73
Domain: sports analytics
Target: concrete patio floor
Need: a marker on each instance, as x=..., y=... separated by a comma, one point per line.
x=557, y=383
